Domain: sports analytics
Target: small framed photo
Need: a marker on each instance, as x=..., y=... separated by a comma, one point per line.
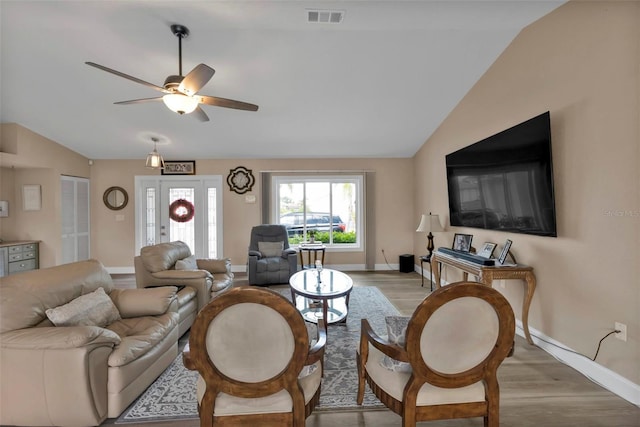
x=505, y=251
x=4, y=208
x=462, y=242
x=487, y=250
x=179, y=167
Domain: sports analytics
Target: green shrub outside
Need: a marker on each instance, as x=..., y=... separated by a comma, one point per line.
x=323, y=236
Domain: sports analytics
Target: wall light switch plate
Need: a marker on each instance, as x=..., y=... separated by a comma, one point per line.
x=249, y=198
x=119, y=218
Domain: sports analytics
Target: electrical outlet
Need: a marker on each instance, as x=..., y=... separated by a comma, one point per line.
x=622, y=335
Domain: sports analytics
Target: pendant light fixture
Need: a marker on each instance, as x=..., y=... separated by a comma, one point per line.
x=154, y=159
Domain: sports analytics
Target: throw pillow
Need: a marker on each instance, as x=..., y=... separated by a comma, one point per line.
x=269, y=249
x=396, y=331
x=94, y=309
x=188, y=263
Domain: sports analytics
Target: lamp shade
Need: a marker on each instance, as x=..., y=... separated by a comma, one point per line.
x=155, y=160
x=181, y=104
x=429, y=223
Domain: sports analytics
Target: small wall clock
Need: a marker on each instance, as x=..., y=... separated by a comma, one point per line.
x=240, y=180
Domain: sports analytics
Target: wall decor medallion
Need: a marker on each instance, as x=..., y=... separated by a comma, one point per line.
x=179, y=167
x=181, y=210
x=240, y=180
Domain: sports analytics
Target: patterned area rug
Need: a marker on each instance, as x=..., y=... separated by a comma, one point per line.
x=173, y=395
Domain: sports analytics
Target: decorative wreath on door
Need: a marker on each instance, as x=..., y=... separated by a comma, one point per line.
x=181, y=210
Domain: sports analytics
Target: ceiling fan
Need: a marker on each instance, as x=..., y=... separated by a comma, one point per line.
x=180, y=91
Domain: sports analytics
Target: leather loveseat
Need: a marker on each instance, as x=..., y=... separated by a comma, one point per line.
x=109, y=346
x=172, y=264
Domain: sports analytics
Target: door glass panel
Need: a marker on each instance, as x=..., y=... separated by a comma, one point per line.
x=182, y=230
x=151, y=231
x=212, y=220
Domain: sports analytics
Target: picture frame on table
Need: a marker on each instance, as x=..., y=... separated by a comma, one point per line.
x=462, y=242
x=179, y=167
x=487, y=250
x=505, y=251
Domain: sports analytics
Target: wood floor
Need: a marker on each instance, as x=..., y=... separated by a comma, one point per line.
x=536, y=389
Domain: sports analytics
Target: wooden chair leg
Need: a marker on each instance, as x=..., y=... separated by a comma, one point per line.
x=361, y=380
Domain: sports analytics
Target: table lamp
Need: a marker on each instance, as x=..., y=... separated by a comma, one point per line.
x=429, y=223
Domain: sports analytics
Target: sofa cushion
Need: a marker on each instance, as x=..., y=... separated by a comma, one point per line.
x=139, y=335
x=25, y=297
x=270, y=249
x=396, y=331
x=163, y=256
x=93, y=309
x=188, y=263
x=152, y=301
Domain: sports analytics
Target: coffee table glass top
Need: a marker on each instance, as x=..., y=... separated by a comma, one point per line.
x=332, y=283
x=326, y=298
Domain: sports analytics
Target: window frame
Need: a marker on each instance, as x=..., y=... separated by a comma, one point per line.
x=356, y=179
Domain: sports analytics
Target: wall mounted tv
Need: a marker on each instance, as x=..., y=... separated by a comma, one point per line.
x=505, y=182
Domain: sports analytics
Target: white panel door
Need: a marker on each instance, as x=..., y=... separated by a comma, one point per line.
x=75, y=219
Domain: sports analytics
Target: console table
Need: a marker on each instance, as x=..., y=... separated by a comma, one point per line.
x=487, y=274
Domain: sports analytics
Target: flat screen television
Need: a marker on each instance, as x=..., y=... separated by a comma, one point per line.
x=505, y=181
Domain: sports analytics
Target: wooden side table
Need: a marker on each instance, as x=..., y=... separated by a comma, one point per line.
x=309, y=249
x=487, y=274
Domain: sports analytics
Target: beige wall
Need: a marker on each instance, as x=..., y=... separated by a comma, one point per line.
x=581, y=63
x=113, y=241
x=29, y=158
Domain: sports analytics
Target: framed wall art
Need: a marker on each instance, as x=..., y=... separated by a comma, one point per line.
x=31, y=197
x=179, y=167
x=240, y=180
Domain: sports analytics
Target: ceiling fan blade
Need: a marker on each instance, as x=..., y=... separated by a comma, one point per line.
x=196, y=79
x=200, y=114
x=128, y=77
x=227, y=103
x=138, y=101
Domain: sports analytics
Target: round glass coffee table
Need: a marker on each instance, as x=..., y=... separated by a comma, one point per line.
x=326, y=298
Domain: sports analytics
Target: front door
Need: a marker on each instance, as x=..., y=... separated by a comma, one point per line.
x=181, y=208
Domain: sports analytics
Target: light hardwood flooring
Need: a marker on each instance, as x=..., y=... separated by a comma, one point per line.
x=536, y=389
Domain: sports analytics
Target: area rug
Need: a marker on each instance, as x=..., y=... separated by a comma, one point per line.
x=173, y=395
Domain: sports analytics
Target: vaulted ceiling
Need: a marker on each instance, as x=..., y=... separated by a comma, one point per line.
x=377, y=84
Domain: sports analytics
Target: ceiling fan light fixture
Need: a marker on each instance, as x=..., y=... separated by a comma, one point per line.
x=181, y=104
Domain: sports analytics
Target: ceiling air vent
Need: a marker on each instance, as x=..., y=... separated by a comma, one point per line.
x=315, y=16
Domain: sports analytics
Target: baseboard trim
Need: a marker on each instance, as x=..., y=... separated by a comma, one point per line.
x=120, y=270
x=597, y=373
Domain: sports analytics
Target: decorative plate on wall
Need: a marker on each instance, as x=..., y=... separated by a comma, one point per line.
x=240, y=180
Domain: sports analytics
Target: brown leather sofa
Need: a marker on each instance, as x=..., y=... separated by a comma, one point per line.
x=160, y=265
x=80, y=374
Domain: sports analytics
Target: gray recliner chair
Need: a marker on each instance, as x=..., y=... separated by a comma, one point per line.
x=271, y=260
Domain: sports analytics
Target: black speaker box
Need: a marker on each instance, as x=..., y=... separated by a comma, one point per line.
x=406, y=263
